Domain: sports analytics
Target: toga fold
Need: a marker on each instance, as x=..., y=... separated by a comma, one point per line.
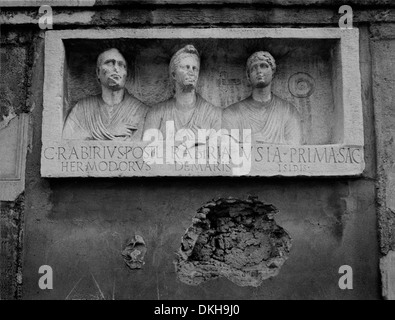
x=91, y=119
x=276, y=121
x=204, y=116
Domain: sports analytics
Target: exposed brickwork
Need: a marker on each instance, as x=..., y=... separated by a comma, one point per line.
x=235, y=239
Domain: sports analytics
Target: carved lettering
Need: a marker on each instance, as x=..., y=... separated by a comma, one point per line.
x=130, y=160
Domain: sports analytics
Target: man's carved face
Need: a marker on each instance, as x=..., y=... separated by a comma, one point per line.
x=186, y=73
x=260, y=74
x=112, y=70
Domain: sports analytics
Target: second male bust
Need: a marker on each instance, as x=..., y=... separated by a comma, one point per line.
x=186, y=108
x=112, y=115
x=270, y=118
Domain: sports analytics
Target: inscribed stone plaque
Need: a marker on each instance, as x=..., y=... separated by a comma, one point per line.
x=13, y=148
x=152, y=102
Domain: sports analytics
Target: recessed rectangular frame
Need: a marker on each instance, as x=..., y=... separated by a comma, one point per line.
x=12, y=182
x=348, y=103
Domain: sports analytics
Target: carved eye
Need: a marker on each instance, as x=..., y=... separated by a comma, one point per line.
x=110, y=63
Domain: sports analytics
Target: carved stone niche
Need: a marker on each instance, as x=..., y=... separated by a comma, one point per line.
x=317, y=74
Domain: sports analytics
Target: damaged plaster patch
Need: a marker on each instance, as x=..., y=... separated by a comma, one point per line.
x=134, y=252
x=6, y=110
x=236, y=239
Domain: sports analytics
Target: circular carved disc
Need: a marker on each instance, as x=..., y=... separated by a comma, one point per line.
x=301, y=85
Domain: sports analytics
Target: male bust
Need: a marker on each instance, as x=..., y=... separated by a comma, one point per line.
x=186, y=108
x=270, y=118
x=112, y=115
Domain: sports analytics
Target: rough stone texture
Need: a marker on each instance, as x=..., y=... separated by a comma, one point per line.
x=11, y=234
x=13, y=82
x=198, y=16
x=134, y=252
x=383, y=48
x=87, y=3
x=384, y=97
x=79, y=227
x=13, y=149
x=235, y=239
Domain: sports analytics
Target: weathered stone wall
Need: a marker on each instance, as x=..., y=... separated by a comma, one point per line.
x=383, y=45
x=15, y=68
x=80, y=226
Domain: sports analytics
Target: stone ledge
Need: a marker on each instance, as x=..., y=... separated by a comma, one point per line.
x=91, y=3
x=194, y=16
x=382, y=32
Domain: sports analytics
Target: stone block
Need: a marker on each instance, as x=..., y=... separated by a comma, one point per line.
x=387, y=267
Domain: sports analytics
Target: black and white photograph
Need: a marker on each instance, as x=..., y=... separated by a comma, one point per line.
x=191, y=157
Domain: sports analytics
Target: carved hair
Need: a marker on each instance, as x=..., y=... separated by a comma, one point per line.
x=188, y=51
x=261, y=56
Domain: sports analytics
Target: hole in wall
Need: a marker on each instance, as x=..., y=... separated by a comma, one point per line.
x=232, y=238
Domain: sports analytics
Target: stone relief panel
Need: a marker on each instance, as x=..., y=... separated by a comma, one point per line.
x=113, y=114
x=153, y=102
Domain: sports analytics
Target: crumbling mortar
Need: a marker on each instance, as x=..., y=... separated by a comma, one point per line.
x=14, y=211
x=233, y=238
x=19, y=252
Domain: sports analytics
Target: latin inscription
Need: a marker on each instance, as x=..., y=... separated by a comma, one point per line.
x=131, y=160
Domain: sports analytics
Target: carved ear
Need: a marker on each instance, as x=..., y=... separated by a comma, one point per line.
x=98, y=75
x=248, y=75
x=173, y=74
